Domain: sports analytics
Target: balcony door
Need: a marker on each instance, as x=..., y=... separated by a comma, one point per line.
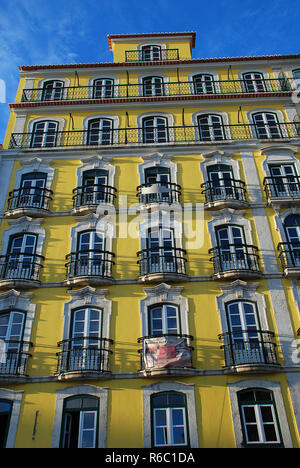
x=292, y=229
x=254, y=82
x=210, y=127
x=157, y=185
x=285, y=181
x=203, y=84
x=266, y=125
x=150, y=53
x=244, y=333
x=20, y=262
x=163, y=320
x=103, y=88
x=32, y=193
x=94, y=188
x=11, y=334
x=221, y=182
x=231, y=248
x=153, y=86
x=100, y=132
x=85, y=353
x=90, y=256
x=155, y=130
x=161, y=256
x=53, y=90
x=44, y=134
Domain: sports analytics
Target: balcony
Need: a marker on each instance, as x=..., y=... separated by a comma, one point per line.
x=89, y=267
x=166, y=354
x=289, y=255
x=249, y=350
x=164, y=90
x=33, y=202
x=88, y=198
x=159, y=192
x=13, y=358
x=282, y=191
x=235, y=261
x=20, y=270
x=224, y=193
x=83, y=355
x=159, y=264
x=168, y=135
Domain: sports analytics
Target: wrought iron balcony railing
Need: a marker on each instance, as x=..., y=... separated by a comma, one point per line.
x=165, y=351
x=13, y=357
x=93, y=195
x=224, y=189
x=37, y=198
x=89, y=263
x=20, y=266
x=84, y=354
x=289, y=255
x=250, y=347
x=159, y=192
x=282, y=187
x=148, y=55
x=163, y=89
x=162, y=260
x=235, y=258
x=172, y=135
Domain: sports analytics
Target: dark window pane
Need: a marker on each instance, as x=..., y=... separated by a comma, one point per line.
x=252, y=433
x=270, y=433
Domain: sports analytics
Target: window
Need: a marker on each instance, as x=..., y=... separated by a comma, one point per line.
x=163, y=319
x=245, y=337
x=94, y=190
x=169, y=420
x=52, y=90
x=296, y=75
x=162, y=253
x=103, y=88
x=284, y=180
x=85, y=350
x=155, y=130
x=203, y=84
x=259, y=418
x=80, y=422
x=210, y=127
x=100, y=132
x=12, y=361
x=20, y=259
x=5, y=415
x=32, y=191
x=150, y=52
x=221, y=181
x=292, y=230
x=266, y=125
x=157, y=187
x=90, y=259
x=231, y=247
x=153, y=86
x=254, y=82
x=44, y=134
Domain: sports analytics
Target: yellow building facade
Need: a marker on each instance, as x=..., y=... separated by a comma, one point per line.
x=150, y=251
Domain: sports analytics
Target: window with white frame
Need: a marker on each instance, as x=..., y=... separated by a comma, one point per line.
x=153, y=86
x=155, y=129
x=100, y=132
x=44, y=134
x=254, y=82
x=169, y=415
x=103, y=88
x=150, y=53
x=259, y=418
x=266, y=125
x=210, y=127
x=203, y=84
x=52, y=90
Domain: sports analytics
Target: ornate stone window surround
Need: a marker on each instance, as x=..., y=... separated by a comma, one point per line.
x=96, y=162
x=219, y=157
x=76, y=390
x=160, y=160
x=160, y=218
x=93, y=221
x=22, y=226
x=168, y=386
x=229, y=216
x=35, y=164
x=163, y=293
x=247, y=384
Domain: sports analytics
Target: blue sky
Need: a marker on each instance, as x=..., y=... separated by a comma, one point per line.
x=75, y=31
